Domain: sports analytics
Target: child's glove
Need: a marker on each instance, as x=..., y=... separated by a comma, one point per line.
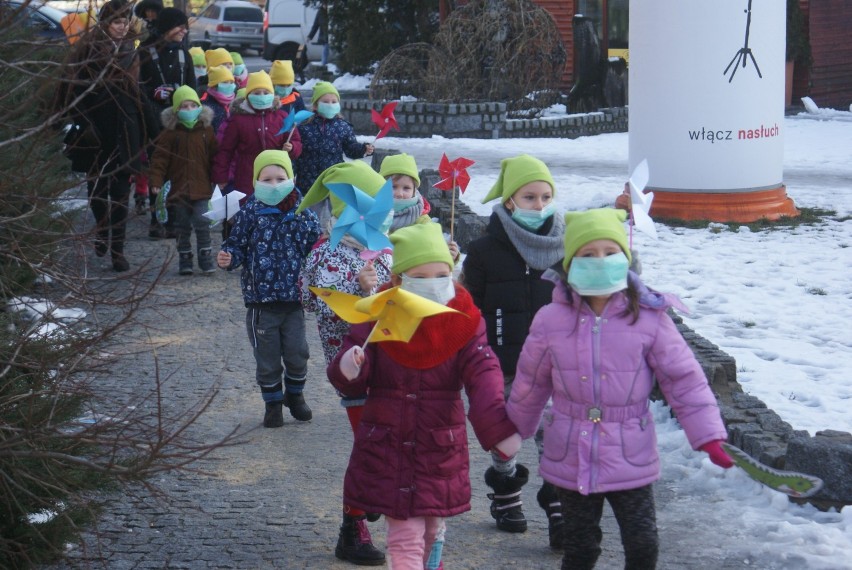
x=717, y=454
x=163, y=93
x=509, y=447
x=351, y=361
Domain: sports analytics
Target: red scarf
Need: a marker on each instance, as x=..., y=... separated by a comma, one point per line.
x=438, y=337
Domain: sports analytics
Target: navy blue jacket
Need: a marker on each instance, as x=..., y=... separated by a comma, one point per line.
x=324, y=142
x=270, y=245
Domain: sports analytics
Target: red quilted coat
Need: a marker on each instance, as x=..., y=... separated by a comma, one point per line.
x=410, y=457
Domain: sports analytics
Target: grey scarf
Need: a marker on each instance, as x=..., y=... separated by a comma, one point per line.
x=539, y=252
x=409, y=215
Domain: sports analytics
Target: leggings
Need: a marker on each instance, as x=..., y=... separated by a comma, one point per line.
x=410, y=540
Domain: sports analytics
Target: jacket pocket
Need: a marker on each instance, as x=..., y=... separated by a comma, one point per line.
x=448, y=455
x=639, y=441
x=372, y=446
x=559, y=439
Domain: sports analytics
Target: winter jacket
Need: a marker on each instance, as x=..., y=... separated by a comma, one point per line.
x=293, y=102
x=160, y=64
x=507, y=291
x=324, y=142
x=184, y=157
x=270, y=245
x=410, y=456
x=220, y=112
x=605, y=367
x=249, y=132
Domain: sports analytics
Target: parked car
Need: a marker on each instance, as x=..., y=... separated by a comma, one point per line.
x=232, y=24
x=286, y=25
x=45, y=20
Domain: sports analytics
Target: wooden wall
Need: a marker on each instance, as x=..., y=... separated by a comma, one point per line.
x=829, y=81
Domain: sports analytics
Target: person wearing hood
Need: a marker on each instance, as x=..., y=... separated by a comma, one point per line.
x=165, y=64
x=146, y=13
x=183, y=155
x=219, y=94
x=502, y=271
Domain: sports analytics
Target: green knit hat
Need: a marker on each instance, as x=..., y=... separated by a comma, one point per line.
x=323, y=88
x=270, y=157
x=357, y=173
x=238, y=59
x=418, y=244
x=184, y=93
x=400, y=164
x=514, y=173
x=601, y=223
x=198, y=59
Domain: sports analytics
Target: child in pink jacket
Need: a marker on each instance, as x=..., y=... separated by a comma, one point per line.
x=597, y=349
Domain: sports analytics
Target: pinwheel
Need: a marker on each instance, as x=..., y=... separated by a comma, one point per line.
x=453, y=175
x=364, y=217
x=223, y=207
x=640, y=203
x=396, y=312
x=160, y=209
x=385, y=120
x=293, y=120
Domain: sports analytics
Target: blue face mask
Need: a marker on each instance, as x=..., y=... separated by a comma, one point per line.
x=402, y=204
x=385, y=227
x=532, y=219
x=200, y=72
x=239, y=69
x=596, y=276
x=328, y=110
x=282, y=91
x=226, y=88
x=272, y=194
x=261, y=102
x=188, y=117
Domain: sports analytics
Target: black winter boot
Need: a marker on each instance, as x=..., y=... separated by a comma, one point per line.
x=355, y=544
x=205, y=261
x=549, y=501
x=184, y=263
x=273, y=417
x=506, y=498
x=298, y=408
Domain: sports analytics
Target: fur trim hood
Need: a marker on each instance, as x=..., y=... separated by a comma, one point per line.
x=170, y=121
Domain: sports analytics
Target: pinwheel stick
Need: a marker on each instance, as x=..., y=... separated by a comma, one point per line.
x=290, y=136
x=369, y=336
x=453, y=212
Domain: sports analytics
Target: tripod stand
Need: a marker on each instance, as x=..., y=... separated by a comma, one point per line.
x=743, y=54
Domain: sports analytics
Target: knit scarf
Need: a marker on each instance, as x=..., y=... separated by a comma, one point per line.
x=538, y=251
x=224, y=100
x=438, y=337
x=407, y=216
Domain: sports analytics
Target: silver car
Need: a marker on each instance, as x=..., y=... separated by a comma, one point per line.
x=232, y=24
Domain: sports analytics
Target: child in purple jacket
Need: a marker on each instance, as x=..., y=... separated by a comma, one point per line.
x=597, y=349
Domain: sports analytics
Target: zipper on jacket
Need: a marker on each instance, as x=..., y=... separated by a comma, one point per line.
x=596, y=389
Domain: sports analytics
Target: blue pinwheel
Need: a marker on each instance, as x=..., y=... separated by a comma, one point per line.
x=365, y=218
x=293, y=120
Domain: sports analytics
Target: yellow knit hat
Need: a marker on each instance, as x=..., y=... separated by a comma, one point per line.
x=259, y=80
x=418, y=244
x=357, y=173
x=323, y=88
x=400, y=164
x=591, y=225
x=195, y=50
x=514, y=173
x=218, y=74
x=272, y=157
x=281, y=72
x=218, y=56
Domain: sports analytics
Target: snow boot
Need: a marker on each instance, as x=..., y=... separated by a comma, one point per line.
x=184, y=263
x=549, y=501
x=506, y=499
x=273, y=417
x=355, y=545
x=298, y=408
x=205, y=261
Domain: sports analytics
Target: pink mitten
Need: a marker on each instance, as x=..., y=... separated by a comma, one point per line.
x=350, y=362
x=509, y=447
x=717, y=454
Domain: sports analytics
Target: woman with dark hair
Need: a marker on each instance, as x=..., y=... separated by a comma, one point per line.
x=114, y=111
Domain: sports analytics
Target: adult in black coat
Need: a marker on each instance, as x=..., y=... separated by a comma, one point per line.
x=164, y=61
x=105, y=100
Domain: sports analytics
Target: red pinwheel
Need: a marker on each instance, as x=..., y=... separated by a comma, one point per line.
x=453, y=175
x=385, y=120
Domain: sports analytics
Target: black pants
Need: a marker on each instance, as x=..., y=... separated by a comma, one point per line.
x=108, y=199
x=637, y=520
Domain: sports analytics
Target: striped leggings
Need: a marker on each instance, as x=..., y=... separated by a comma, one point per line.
x=637, y=520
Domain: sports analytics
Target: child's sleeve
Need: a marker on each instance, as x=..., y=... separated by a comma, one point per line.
x=160, y=162
x=212, y=147
x=351, y=147
x=358, y=387
x=225, y=153
x=307, y=278
x=237, y=242
x=311, y=231
x=296, y=141
x=533, y=383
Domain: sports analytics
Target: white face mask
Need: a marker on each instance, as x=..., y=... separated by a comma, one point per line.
x=438, y=289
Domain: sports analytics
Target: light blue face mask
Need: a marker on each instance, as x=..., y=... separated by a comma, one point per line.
x=261, y=102
x=282, y=91
x=188, y=117
x=200, y=72
x=385, y=227
x=596, y=276
x=532, y=219
x=328, y=110
x=239, y=69
x=226, y=88
x=272, y=194
x=402, y=204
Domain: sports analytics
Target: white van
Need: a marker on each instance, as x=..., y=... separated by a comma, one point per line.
x=286, y=24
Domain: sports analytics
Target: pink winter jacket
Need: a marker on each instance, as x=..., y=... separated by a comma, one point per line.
x=605, y=367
